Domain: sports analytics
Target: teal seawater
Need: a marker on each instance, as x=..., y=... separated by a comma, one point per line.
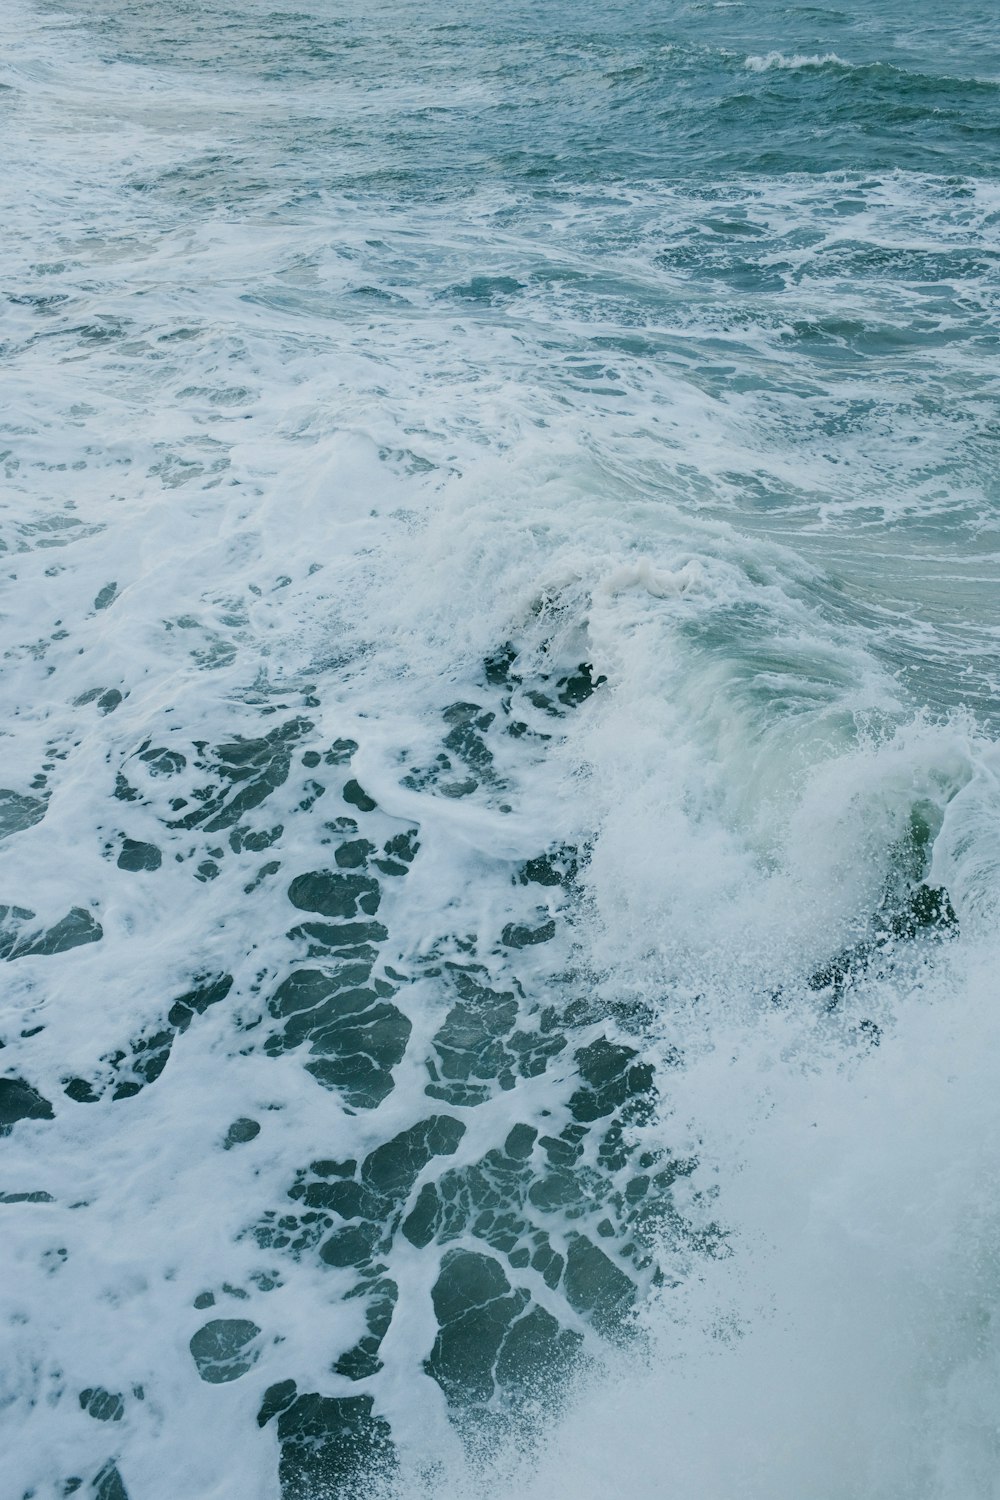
x=607, y=93
x=499, y=857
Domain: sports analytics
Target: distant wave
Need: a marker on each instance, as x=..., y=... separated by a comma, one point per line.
x=764, y=64
x=800, y=61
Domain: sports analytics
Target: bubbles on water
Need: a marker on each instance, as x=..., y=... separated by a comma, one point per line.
x=497, y=973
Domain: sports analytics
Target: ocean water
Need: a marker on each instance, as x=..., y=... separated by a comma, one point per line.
x=500, y=812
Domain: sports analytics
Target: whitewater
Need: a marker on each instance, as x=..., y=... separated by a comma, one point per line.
x=499, y=768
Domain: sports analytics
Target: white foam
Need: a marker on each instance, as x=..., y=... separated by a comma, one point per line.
x=765, y=62
x=847, y=1347
x=290, y=484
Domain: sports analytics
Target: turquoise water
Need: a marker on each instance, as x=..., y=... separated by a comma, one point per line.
x=500, y=812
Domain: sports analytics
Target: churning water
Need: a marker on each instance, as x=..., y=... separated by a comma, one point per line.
x=500, y=855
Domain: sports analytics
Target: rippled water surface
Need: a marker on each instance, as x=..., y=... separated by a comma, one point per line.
x=500, y=811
